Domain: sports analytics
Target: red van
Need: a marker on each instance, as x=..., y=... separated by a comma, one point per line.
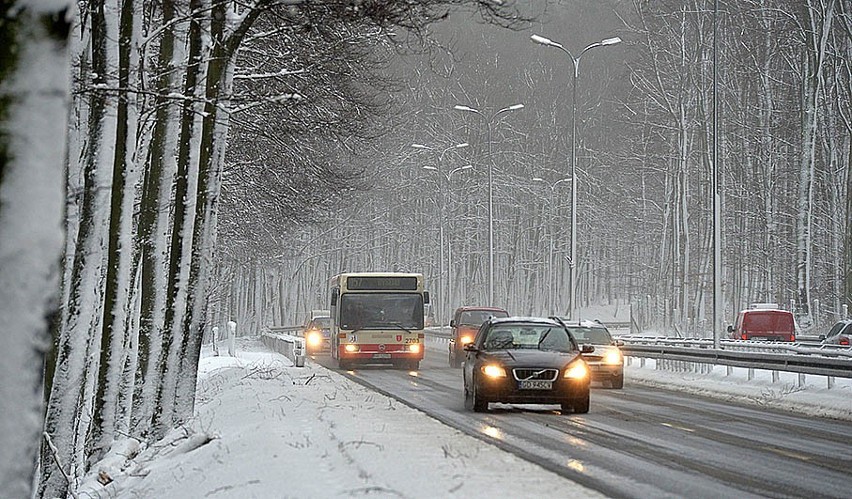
x=764, y=322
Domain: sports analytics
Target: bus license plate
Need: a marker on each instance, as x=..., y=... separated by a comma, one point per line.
x=381, y=355
x=535, y=384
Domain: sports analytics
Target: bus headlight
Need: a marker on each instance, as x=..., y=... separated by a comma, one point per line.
x=466, y=339
x=351, y=348
x=414, y=348
x=613, y=357
x=577, y=370
x=493, y=371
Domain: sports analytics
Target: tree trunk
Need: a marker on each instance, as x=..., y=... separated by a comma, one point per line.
x=156, y=188
x=70, y=385
x=33, y=110
x=113, y=354
x=816, y=40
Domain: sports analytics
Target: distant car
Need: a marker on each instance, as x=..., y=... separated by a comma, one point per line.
x=839, y=334
x=318, y=335
x=764, y=322
x=465, y=323
x=522, y=360
x=607, y=362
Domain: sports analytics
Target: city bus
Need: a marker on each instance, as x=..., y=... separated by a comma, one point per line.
x=377, y=318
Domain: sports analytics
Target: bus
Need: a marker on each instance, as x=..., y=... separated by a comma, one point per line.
x=377, y=318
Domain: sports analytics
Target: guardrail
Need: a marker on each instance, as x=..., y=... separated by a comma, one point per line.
x=823, y=360
x=291, y=346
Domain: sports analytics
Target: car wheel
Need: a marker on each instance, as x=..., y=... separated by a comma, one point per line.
x=344, y=365
x=413, y=365
x=454, y=361
x=581, y=404
x=472, y=401
x=617, y=381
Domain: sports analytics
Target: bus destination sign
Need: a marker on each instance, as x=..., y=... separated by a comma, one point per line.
x=379, y=283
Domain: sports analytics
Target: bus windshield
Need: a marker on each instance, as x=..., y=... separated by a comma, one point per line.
x=381, y=310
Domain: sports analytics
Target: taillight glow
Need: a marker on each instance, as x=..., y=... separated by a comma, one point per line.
x=844, y=341
x=744, y=336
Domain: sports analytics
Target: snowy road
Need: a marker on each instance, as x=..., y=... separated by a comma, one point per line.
x=643, y=442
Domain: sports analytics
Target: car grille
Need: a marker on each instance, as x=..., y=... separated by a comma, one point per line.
x=532, y=373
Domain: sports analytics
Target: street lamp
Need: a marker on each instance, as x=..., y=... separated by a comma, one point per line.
x=441, y=297
x=576, y=62
x=490, y=122
x=550, y=306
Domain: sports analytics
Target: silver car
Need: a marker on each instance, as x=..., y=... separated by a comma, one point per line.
x=607, y=361
x=839, y=334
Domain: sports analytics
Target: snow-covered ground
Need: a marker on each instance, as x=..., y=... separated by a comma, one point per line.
x=814, y=398
x=279, y=431
x=267, y=429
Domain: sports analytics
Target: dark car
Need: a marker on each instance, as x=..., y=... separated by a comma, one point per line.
x=318, y=335
x=465, y=323
x=607, y=362
x=839, y=334
x=524, y=360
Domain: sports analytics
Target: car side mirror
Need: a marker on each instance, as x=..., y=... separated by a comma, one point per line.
x=470, y=347
x=587, y=348
x=618, y=343
x=452, y=323
x=730, y=328
x=821, y=337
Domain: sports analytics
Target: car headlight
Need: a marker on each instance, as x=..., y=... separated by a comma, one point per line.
x=493, y=371
x=576, y=370
x=414, y=348
x=613, y=357
x=466, y=339
x=314, y=339
x=351, y=348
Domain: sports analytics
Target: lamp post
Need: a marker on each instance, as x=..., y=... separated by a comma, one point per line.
x=449, y=260
x=553, y=185
x=441, y=297
x=490, y=121
x=576, y=62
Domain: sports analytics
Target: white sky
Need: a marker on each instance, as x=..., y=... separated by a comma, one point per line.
x=282, y=431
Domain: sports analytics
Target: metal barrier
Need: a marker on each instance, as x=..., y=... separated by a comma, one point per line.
x=823, y=360
x=292, y=347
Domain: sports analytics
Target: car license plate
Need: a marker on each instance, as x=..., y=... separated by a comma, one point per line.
x=535, y=384
x=381, y=355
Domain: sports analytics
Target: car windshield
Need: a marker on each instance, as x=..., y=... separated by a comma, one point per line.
x=527, y=337
x=477, y=317
x=591, y=335
x=845, y=327
x=322, y=323
x=381, y=310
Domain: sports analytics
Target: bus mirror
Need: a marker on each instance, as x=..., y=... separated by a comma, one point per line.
x=334, y=297
x=425, y=297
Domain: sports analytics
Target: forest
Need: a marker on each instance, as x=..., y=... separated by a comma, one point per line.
x=168, y=166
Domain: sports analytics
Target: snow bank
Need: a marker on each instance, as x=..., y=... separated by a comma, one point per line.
x=267, y=429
